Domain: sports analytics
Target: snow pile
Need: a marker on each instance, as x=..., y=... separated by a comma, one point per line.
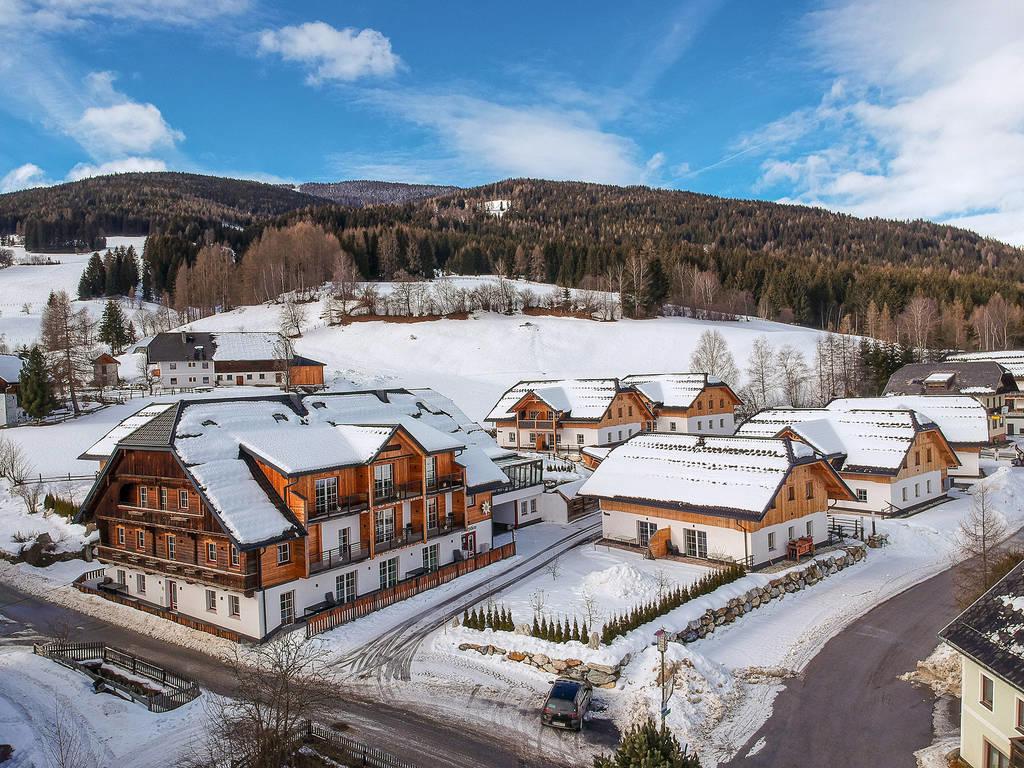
x=16, y=523
x=622, y=582
x=700, y=690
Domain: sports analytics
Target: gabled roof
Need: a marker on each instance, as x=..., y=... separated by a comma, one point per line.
x=962, y=419
x=106, y=359
x=219, y=346
x=577, y=399
x=215, y=441
x=104, y=447
x=991, y=630
x=673, y=390
x=951, y=377
x=727, y=476
x=1011, y=359
x=872, y=440
x=10, y=368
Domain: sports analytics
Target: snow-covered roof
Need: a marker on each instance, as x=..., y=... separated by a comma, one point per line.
x=576, y=398
x=10, y=368
x=727, y=475
x=671, y=390
x=962, y=419
x=104, y=447
x=873, y=434
x=317, y=447
x=598, y=452
x=1011, y=359
x=216, y=438
x=247, y=345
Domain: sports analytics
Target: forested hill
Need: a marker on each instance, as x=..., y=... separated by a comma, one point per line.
x=79, y=214
x=363, y=192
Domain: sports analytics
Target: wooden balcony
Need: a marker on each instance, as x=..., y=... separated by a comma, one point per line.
x=350, y=505
x=388, y=494
x=536, y=424
x=1017, y=752
x=243, y=582
x=163, y=518
x=339, y=556
x=444, y=483
x=444, y=528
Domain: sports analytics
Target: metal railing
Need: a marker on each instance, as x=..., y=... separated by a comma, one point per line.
x=442, y=528
x=398, y=540
x=444, y=482
x=349, y=505
x=332, y=558
x=354, y=751
x=388, y=493
x=536, y=424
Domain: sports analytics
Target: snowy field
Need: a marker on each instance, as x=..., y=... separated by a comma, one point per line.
x=610, y=581
x=36, y=692
x=474, y=361
x=31, y=284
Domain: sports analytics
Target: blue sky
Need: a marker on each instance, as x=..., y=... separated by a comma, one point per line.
x=905, y=110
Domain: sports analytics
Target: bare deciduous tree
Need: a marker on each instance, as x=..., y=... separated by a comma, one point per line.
x=67, y=336
x=712, y=356
x=63, y=741
x=762, y=372
x=293, y=317
x=792, y=373
x=279, y=685
x=977, y=537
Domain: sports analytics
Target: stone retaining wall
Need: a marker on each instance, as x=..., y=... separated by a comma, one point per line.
x=788, y=583
x=605, y=676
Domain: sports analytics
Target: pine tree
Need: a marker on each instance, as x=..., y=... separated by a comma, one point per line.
x=584, y=632
x=535, y=630
x=112, y=330
x=93, y=281
x=35, y=391
x=647, y=746
x=575, y=630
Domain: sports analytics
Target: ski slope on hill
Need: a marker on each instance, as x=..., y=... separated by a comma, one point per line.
x=474, y=361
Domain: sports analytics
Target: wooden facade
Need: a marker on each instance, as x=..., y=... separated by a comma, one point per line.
x=712, y=401
x=152, y=516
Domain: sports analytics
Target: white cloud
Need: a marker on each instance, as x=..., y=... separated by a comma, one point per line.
x=56, y=15
x=332, y=54
x=488, y=138
x=124, y=165
x=127, y=128
x=23, y=177
x=927, y=119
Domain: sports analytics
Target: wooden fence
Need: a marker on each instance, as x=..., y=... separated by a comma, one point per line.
x=342, y=614
x=74, y=656
x=360, y=754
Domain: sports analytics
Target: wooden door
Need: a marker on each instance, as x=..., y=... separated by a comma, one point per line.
x=239, y=381
x=172, y=595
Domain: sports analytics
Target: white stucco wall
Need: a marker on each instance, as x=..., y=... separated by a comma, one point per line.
x=979, y=724
x=970, y=463
x=880, y=494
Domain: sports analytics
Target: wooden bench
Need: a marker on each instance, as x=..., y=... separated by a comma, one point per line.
x=797, y=548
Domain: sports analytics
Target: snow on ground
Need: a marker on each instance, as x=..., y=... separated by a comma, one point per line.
x=31, y=284
x=16, y=523
x=474, y=361
x=781, y=638
x=110, y=730
x=614, y=579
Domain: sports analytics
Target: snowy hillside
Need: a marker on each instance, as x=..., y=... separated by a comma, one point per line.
x=474, y=361
x=31, y=284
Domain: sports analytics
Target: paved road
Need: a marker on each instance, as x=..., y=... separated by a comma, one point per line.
x=413, y=736
x=848, y=709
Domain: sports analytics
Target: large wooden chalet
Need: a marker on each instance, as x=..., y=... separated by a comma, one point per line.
x=567, y=415
x=248, y=514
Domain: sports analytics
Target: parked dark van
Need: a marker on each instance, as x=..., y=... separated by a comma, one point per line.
x=567, y=704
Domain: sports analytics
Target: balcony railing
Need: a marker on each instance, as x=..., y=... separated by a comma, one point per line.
x=177, y=569
x=535, y=424
x=350, y=505
x=338, y=556
x=444, y=482
x=385, y=494
x=443, y=528
x=398, y=540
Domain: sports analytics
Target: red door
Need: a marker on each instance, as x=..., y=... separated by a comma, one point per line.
x=469, y=542
x=172, y=595
x=239, y=380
